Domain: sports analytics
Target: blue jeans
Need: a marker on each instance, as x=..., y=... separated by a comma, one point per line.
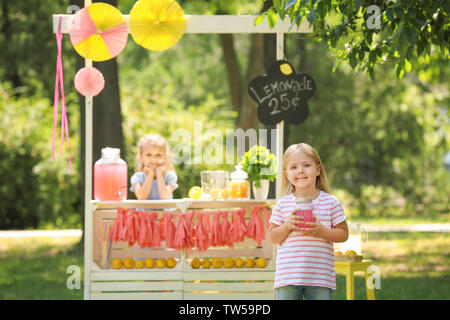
x=296, y=292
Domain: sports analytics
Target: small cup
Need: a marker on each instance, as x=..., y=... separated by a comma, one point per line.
x=308, y=217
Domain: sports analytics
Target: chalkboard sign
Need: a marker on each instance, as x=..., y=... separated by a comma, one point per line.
x=282, y=94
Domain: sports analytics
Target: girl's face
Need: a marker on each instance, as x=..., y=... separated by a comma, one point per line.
x=302, y=170
x=152, y=156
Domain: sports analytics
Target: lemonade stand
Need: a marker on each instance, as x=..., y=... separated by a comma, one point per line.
x=233, y=260
x=181, y=271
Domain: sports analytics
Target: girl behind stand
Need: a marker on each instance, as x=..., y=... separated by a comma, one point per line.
x=155, y=177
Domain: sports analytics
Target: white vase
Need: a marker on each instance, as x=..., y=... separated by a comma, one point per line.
x=262, y=192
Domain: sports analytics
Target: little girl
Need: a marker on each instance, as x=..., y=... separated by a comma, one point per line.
x=305, y=256
x=155, y=178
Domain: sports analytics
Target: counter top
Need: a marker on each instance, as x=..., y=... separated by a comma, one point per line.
x=182, y=204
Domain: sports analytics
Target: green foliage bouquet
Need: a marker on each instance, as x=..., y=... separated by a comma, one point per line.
x=259, y=164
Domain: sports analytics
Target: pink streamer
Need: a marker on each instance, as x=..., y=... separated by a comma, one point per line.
x=59, y=81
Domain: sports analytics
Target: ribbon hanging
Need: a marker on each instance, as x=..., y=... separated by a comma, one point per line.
x=180, y=234
x=225, y=238
x=59, y=84
x=255, y=227
x=201, y=233
x=156, y=238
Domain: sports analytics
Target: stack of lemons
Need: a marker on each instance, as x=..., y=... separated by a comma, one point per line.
x=228, y=263
x=347, y=253
x=196, y=193
x=148, y=263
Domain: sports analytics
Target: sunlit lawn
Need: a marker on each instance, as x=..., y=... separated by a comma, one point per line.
x=35, y=268
x=413, y=266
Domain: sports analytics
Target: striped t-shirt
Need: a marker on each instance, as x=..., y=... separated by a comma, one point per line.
x=305, y=260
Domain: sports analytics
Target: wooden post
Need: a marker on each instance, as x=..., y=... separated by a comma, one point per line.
x=88, y=185
x=280, y=125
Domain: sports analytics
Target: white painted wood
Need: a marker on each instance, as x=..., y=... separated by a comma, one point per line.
x=230, y=296
x=137, y=296
x=194, y=204
x=88, y=241
x=280, y=126
x=228, y=286
x=143, y=274
x=229, y=275
x=214, y=24
x=137, y=286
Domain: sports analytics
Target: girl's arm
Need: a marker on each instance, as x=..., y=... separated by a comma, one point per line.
x=279, y=233
x=164, y=191
x=142, y=191
x=337, y=234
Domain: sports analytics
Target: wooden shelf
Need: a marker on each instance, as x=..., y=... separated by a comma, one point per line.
x=213, y=24
x=180, y=204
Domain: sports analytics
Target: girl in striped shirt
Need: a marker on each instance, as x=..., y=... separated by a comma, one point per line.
x=305, y=256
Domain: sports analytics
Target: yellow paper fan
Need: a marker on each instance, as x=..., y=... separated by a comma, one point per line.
x=157, y=24
x=99, y=32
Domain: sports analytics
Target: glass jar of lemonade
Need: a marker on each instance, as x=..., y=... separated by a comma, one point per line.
x=110, y=176
x=239, y=185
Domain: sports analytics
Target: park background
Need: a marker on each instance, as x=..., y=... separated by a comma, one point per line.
x=382, y=137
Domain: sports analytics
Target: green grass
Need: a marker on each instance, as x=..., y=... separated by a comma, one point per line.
x=413, y=266
x=35, y=268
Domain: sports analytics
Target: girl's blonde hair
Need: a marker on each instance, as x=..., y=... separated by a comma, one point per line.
x=321, y=180
x=158, y=141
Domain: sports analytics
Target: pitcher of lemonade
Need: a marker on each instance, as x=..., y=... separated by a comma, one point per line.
x=239, y=185
x=110, y=176
x=357, y=237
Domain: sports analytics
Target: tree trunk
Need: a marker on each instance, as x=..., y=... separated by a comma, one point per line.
x=248, y=114
x=233, y=71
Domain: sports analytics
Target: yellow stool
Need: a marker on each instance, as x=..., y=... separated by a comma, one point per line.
x=349, y=268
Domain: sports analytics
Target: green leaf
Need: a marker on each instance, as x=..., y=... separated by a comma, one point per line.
x=272, y=18
x=408, y=66
x=311, y=15
x=259, y=19
x=289, y=4
x=399, y=69
x=352, y=60
x=279, y=8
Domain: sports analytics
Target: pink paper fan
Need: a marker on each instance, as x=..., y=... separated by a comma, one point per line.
x=89, y=81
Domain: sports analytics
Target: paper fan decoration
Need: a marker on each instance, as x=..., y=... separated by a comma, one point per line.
x=89, y=81
x=157, y=24
x=98, y=32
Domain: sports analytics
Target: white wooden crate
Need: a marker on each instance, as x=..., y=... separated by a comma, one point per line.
x=181, y=282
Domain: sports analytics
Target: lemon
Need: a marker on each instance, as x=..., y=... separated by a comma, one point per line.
x=160, y=263
x=239, y=262
x=286, y=69
x=195, y=263
x=350, y=253
x=128, y=263
x=217, y=262
x=338, y=253
x=116, y=264
x=214, y=194
x=261, y=262
x=140, y=264
x=195, y=192
x=206, y=263
x=170, y=263
x=225, y=194
x=150, y=263
x=250, y=263
x=228, y=262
